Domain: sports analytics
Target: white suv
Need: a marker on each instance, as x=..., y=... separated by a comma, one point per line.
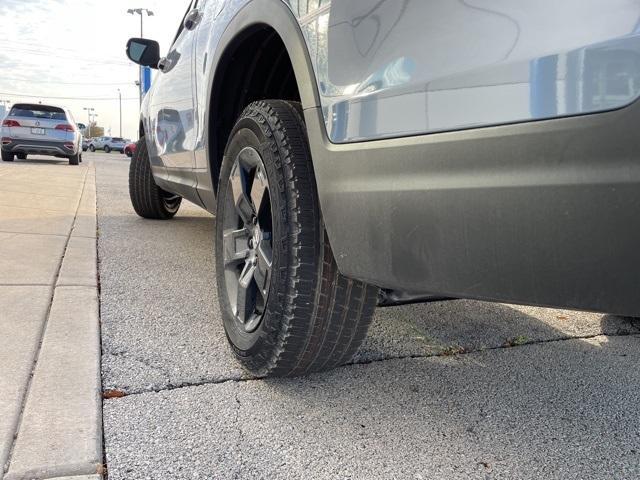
x=33, y=129
x=107, y=144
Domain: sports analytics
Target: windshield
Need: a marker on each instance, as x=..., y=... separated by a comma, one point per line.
x=38, y=111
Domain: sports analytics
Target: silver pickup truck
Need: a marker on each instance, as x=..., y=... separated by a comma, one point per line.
x=364, y=152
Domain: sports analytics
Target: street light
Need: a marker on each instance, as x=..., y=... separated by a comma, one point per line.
x=141, y=12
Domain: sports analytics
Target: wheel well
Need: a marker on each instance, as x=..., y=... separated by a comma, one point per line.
x=255, y=66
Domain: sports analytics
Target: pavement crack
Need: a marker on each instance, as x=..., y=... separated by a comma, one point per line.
x=237, y=474
x=141, y=360
x=444, y=353
x=506, y=346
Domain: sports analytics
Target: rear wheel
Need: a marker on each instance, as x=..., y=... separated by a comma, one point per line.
x=149, y=200
x=74, y=159
x=92, y=148
x=7, y=156
x=286, y=308
x=107, y=149
x=21, y=156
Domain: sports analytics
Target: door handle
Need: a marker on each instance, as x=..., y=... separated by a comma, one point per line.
x=192, y=19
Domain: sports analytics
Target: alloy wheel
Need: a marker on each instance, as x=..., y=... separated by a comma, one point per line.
x=247, y=239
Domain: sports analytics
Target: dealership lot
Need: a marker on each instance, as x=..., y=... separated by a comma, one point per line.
x=458, y=389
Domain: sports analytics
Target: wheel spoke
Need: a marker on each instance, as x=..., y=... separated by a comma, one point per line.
x=247, y=274
x=258, y=189
x=236, y=246
x=245, y=304
x=263, y=268
x=245, y=300
x=240, y=196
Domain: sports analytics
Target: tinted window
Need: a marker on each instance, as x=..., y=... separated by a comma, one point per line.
x=118, y=139
x=38, y=111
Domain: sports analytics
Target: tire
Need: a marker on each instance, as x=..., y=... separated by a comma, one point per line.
x=307, y=317
x=74, y=159
x=7, y=156
x=92, y=148
x=107, y=149
x=149, y=200
x=80, y=158
x=21, y=156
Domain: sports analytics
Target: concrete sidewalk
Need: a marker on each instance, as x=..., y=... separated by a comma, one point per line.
x=50, y=406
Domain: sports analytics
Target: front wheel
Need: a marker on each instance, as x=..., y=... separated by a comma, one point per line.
x=286, y=309
x=147, y=198
x=21, y=156
x=7, y=156
x=92, y=148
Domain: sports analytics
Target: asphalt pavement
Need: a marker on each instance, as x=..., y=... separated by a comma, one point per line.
x=459, y=389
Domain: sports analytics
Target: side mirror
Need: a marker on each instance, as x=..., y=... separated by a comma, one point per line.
x=144, y=52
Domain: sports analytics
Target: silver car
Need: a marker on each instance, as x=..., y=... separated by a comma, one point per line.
x=108, y=144
x=364, y=152
x=34, y=129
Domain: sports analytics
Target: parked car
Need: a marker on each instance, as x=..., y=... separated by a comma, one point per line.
x=34, y=129
x=107, y=144
x=130, y=149
x=377, y=159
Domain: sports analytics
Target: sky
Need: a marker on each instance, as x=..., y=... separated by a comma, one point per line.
x=75, y=50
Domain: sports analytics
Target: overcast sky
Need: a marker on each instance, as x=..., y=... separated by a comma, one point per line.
x=76, y=49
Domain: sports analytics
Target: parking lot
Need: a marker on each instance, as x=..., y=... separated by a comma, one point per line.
x=458, y=389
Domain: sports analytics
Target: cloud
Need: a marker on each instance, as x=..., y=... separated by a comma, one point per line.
x=71, y=48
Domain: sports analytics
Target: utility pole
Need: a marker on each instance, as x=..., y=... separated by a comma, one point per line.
x=90, y=111
x=120, y=99
x=141, y=12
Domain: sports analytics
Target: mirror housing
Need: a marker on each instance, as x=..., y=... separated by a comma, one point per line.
x=144, y=52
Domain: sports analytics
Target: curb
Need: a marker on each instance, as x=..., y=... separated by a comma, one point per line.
x=60, y=431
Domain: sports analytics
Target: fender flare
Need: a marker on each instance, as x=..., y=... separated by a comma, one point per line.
x=279, y=17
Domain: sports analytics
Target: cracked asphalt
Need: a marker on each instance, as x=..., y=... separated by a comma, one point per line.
x=459, y=389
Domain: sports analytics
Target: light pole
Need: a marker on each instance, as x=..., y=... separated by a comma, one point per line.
x=120, y=100
x=90, y=111
x=141, y=12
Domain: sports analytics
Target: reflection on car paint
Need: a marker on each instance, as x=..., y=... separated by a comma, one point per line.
x=388, y=68
x=170, y=130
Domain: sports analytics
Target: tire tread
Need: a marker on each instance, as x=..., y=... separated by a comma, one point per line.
x=146, y=196
x=325, y=316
